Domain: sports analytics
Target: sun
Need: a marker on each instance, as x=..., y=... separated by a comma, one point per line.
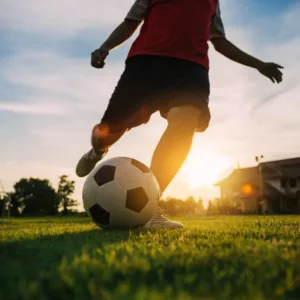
x=204, y=167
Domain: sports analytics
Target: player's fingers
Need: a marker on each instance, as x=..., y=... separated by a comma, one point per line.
x=272, y=79
x=101, y=64
x=99, y=55
x=97, y=62
x=94, y=63
x=98, y=65
x=279, y=66
x=278, y=78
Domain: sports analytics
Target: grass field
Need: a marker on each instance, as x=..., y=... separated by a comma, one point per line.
x=212, y=258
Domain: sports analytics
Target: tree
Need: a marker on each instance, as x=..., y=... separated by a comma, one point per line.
x=37, y=196
x=10, y=206
x=177, y=207
x=212, y=207
x=200, y=206
x=66, y=188
x=15, y=205
x=189, y=205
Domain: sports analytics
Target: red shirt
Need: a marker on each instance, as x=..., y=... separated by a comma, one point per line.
x=176, y=28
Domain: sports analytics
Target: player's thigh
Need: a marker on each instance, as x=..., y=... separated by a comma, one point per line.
x=184, y=116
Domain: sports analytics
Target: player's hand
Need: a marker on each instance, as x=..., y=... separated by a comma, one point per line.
x=271, y=70
x=98, y=57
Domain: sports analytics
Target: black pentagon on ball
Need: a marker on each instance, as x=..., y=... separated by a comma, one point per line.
x=99, y=215
x=140, y=166
x=136, y=199
x=105, y=174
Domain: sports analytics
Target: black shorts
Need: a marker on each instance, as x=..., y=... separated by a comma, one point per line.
x=155, y=83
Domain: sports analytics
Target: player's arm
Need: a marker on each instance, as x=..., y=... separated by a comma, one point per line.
x=122, y=33
x=228, y=49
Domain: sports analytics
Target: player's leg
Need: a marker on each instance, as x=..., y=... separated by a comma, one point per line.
x=171, y=153
x=175, y=143
x=115, y=122
x=121, y=114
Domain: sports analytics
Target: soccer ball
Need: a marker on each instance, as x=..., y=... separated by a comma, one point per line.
x=121, y=193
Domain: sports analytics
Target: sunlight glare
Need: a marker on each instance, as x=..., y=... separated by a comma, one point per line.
x=204, y=167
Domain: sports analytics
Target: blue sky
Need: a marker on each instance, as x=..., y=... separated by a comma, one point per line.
x=50, y=97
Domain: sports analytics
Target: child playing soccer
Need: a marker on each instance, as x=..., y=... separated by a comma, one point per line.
x=167, y=70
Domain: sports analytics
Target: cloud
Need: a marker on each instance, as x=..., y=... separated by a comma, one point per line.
x=57, y=84
x=32, y=107
x=72, y=17
x=63, y=18
x=272, y=96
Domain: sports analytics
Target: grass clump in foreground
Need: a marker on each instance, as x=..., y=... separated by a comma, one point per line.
x=212, y=258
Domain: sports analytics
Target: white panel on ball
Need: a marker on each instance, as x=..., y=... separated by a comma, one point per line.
x=129, y=176
x=111, y=196
x=89, y=194
x=151, y=186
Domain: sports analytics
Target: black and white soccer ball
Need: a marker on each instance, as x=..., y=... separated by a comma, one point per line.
x=121, y=193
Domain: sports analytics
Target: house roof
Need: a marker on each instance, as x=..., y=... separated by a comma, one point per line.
x=281, y=168
x=285, y=168
x=285, y=162
x=241, y=175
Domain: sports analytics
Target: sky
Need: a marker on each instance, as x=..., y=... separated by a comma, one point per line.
x=50, y=97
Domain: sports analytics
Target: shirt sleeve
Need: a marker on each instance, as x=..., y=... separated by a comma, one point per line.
x=216, y=27
x=138, y=10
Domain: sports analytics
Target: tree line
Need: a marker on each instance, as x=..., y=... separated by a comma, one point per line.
x=191, y=206
x=37, y=197
x=34, y=197
x=179, y=207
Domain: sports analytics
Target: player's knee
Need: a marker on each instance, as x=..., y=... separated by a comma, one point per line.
x=101, y=131
x=103, y=136
x=99, y=135
x=184, y=116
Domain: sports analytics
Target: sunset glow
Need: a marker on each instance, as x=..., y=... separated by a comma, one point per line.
x=204, y=167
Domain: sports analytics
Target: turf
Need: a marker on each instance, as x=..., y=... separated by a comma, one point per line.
x=212, y=258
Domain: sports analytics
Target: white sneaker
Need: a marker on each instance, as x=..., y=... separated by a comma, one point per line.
x=88, y=162
x=160, y=221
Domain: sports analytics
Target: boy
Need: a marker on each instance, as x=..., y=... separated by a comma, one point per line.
x=167, y=71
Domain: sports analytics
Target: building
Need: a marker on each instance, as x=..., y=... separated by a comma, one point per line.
x=270, y=187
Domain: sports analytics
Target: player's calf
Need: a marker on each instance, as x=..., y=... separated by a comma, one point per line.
x=175, y=143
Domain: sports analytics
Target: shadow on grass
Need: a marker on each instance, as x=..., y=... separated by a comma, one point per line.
x=41, y=254
x=27, y=263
